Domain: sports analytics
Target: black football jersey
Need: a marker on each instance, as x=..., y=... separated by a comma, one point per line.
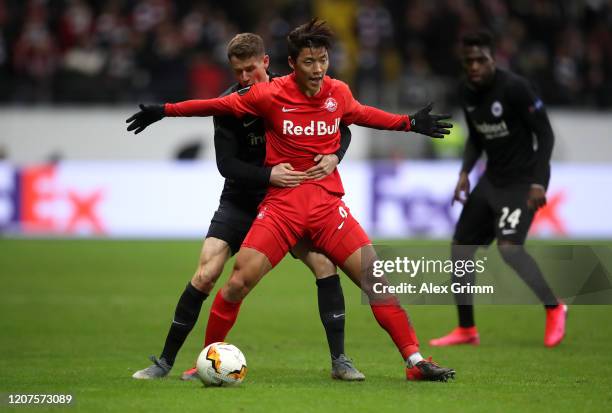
x=508, y=122
x=240, y=147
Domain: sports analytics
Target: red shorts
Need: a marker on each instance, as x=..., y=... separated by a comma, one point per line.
x=289, y=214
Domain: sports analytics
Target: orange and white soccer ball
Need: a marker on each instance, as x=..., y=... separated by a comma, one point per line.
x=221, y=364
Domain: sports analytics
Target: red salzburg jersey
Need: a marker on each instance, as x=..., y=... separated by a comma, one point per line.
x=298, y=127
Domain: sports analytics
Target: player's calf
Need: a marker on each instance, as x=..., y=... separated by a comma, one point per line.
x=248, y=270
x=251, y=265
x=215, y=253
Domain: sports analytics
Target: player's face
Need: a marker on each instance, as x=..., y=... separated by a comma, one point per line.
x=250, y=70
x=310, y=68
x=478, y=64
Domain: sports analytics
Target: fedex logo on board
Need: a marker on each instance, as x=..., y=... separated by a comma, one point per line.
x=319, y=128
x=49, y=205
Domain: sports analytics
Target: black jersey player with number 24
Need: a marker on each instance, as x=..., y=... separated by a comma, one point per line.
x=508, y=122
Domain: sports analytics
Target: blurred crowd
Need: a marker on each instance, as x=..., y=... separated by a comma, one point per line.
x=394, y=53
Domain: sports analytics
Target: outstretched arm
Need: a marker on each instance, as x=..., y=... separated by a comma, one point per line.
x=225, y=105
x=149, y=114
x=421, y=122
x=246, y=101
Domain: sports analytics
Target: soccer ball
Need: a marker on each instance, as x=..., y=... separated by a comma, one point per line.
x=221, y=364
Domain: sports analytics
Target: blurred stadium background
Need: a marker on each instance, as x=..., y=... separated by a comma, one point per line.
x=71, y=71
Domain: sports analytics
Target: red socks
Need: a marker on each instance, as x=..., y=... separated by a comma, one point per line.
x=391, y=317
x=394, y=320
x=222, y=317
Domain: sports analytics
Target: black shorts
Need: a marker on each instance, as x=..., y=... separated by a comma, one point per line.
x=232, y=221
x=492, y=212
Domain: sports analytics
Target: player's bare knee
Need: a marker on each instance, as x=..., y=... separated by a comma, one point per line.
x=203, y=281
x=238, y=286
x=359, y=266
x=206, y=275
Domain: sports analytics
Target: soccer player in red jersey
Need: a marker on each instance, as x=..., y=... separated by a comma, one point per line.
x=302, y=113
x=240, y=150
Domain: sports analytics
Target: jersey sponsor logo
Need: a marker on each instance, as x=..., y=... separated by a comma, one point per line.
x=497, y=109
x=319, y=128
x=330, y=104
x=256, y=140
x=493, y=130
x=244, y=90
x=285, y=110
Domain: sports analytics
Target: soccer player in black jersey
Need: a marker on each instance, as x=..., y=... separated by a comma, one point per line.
x=508, y=122
x=240, y=151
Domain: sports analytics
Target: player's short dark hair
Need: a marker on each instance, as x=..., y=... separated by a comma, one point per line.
x=480, y=38
x=245, y=45
x=314, y=34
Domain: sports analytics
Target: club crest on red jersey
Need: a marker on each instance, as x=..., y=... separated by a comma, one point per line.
x=330, y=104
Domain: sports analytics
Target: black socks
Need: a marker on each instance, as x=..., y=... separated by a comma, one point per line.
x=519, y=260
x=525, y=266
x=185, y=316
x=331, y=311
x=465, y=308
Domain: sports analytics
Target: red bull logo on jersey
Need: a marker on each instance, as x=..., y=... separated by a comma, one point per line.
x=319, y=128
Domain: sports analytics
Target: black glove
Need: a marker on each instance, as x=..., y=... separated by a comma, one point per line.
x=148, y=114
x=428, y=124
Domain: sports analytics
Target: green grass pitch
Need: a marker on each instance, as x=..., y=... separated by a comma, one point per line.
x=80, y=316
